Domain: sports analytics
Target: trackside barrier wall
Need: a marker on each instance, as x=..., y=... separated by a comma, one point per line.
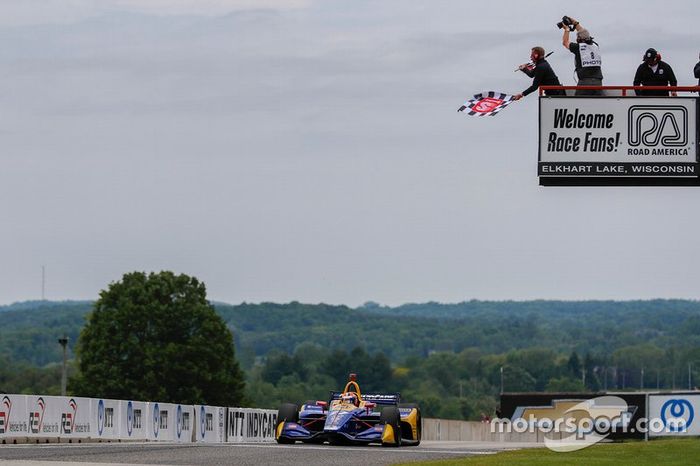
x=133, y=416
x=470, y=431
x=14, y=416
x=50, y=418
x=58, y=417
x=211, y=424
x=105, y=418
x=170, y=422
x=678, y=414
x=251, y=425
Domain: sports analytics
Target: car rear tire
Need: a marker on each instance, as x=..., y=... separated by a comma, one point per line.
x=288, y=412
x=391, y=416
x=419, y=423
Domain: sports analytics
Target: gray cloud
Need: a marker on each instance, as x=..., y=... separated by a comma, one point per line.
x=315, y=154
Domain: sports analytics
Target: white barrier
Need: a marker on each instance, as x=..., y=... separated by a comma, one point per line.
x=14, y=416
x=676, y=414
x=105, y=418
x=170, y=422
x=211, y=424
x=58, y=417
x=251, y=425
x=133, y=416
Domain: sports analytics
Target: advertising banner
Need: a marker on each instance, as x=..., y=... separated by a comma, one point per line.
x=675, y=415
x=251, y=425
x=211, y=424
x=59, y=416
x=536, y=407
x=618, y=137
x=171, y=422
x=14, y=417
x=105, y=418
x=132, y=420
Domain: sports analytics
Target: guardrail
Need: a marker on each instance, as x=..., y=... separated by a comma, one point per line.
x=623, y=89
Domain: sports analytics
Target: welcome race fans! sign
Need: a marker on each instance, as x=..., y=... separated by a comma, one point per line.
x=618, y=137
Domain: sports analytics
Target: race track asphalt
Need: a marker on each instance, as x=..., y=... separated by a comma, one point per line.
x=236, y=454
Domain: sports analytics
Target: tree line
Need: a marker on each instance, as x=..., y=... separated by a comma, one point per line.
x=155, y=336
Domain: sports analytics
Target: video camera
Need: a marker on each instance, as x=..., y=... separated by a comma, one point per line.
x=566, y=21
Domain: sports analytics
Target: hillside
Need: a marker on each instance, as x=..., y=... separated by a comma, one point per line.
x=28, y=331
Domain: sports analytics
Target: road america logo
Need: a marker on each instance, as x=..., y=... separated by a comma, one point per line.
x=657, y=125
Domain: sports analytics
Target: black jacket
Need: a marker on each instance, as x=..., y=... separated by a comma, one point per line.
x=543, y=75
x=662, y=77
x=697, y=72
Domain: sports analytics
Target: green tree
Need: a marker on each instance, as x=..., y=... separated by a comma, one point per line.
x=156, y=337
x=565, y=384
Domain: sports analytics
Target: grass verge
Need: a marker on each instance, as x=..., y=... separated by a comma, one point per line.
x=658, y=452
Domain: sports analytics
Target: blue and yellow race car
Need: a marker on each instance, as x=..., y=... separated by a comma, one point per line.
x=350, y=417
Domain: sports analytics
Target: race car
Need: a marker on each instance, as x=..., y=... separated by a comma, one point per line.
x=350, y=417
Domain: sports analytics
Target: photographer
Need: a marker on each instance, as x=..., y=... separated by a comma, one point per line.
x=586, y=56
x=541, y=72
x=654, y=72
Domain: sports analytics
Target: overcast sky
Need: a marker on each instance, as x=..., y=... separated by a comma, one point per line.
x=310, y=150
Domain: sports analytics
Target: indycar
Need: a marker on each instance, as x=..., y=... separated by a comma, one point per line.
x=351, y=417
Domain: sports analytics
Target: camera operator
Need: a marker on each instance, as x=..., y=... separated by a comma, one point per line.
x=541, y=72
x=586, y=56
x=654, y=72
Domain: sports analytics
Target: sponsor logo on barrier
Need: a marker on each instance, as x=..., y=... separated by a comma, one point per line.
x=36, y=416
x=582, y=423
x=100, y=416
x=179, y=421
x=677, y=415
x=68, y=419
x=156, y=420
x=202, y=415
x=252, y=425
x=654, y=125
x=6, y=408
x=129, y=418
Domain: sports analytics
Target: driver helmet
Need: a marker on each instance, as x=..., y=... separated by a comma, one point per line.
x=351, y=397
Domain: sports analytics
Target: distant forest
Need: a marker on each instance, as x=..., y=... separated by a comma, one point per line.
x=447, y=357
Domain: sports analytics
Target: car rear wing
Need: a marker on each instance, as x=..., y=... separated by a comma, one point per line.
x=378, y=398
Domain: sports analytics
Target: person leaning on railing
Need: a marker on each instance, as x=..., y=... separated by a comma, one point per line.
x=586, y=58
x=654, y=72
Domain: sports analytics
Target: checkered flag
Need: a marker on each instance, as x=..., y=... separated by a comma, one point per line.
x=486, y=103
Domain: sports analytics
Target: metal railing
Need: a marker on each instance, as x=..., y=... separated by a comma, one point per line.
x=622, y=89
